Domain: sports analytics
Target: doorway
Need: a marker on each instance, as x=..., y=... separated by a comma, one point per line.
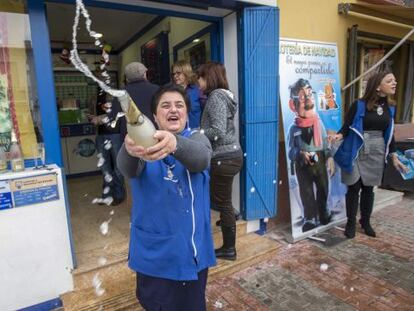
x=100, y=232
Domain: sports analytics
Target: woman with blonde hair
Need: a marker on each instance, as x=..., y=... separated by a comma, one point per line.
x=182, y=74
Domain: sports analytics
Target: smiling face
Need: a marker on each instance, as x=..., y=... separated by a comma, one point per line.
x=388, y=85
x=171, y=113
x=179, y=77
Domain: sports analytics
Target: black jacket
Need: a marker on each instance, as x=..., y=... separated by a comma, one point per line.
x=141, y=92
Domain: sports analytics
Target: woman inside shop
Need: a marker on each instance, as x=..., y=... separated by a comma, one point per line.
x=182, y=74
x=171, y=244
x=217, y=122
x=368, y=141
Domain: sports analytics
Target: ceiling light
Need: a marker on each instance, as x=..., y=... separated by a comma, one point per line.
x=196, y=40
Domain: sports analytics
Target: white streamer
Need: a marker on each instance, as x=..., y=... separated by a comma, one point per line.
x=74, y=55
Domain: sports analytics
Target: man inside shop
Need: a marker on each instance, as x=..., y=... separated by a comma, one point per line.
x=111, y=134
x=139, y=88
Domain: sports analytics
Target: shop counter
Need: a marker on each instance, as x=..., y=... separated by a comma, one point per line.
x=35, y=249
x=78, y=148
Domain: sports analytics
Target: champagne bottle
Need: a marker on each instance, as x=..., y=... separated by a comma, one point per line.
x=16, y=155
x=139, y=127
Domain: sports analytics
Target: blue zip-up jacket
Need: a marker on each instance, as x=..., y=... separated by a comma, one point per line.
x=353, y=142
x=196, y=98
x=170, y=230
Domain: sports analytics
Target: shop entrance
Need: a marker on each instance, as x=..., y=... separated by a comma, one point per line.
x=101, y=232
x=242, y=34
x=366, y=49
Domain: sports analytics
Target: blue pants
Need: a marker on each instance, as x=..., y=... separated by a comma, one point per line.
x=157, y=294
x=117, y=187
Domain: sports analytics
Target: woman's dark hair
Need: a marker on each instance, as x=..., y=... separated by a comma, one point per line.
x=371, y=96
x=169, y=88
x=215, y=75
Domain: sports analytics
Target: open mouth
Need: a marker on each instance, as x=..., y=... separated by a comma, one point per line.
x=173, y=118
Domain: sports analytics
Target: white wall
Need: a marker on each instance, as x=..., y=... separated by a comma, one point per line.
x=179, y=29
x=231, y=59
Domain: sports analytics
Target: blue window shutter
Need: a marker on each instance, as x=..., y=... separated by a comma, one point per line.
x=259, y=94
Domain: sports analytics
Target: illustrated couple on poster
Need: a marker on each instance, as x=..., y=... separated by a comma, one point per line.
x=317, y=195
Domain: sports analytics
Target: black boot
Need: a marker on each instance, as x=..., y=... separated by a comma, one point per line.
x=351, y=211
x=366, y=205
x=350, y=228
x=228, y=250
x=236, y=215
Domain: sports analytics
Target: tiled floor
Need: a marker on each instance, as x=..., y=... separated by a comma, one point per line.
x=86, y=219
x=360, y=274
x=373, y=274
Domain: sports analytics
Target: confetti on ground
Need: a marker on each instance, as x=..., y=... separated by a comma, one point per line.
x=218, y=305
x=104, y=227
x=108, y=201
x=323, y=267
x=102, y=261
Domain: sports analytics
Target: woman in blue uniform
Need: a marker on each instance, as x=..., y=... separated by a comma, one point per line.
x=171, y=246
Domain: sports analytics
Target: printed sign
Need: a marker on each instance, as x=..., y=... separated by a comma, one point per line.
x=311, y=107
x=5, y=195
x=35, y=189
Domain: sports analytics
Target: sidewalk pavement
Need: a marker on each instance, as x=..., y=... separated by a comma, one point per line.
x=359, y=274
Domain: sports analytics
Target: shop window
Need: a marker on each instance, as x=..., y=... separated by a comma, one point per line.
x=369, y=57
x=19, y=104
x=196, y=52
x=196, y=48
x=154, y=55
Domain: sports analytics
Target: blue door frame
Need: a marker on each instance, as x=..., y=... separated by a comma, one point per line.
x=45, y=81
x=45, y=85
x=258, y=85
x=259, y=127
x=47, y=97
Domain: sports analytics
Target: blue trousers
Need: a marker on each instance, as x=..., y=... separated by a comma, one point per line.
x=158, y=294
x=117, y=187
